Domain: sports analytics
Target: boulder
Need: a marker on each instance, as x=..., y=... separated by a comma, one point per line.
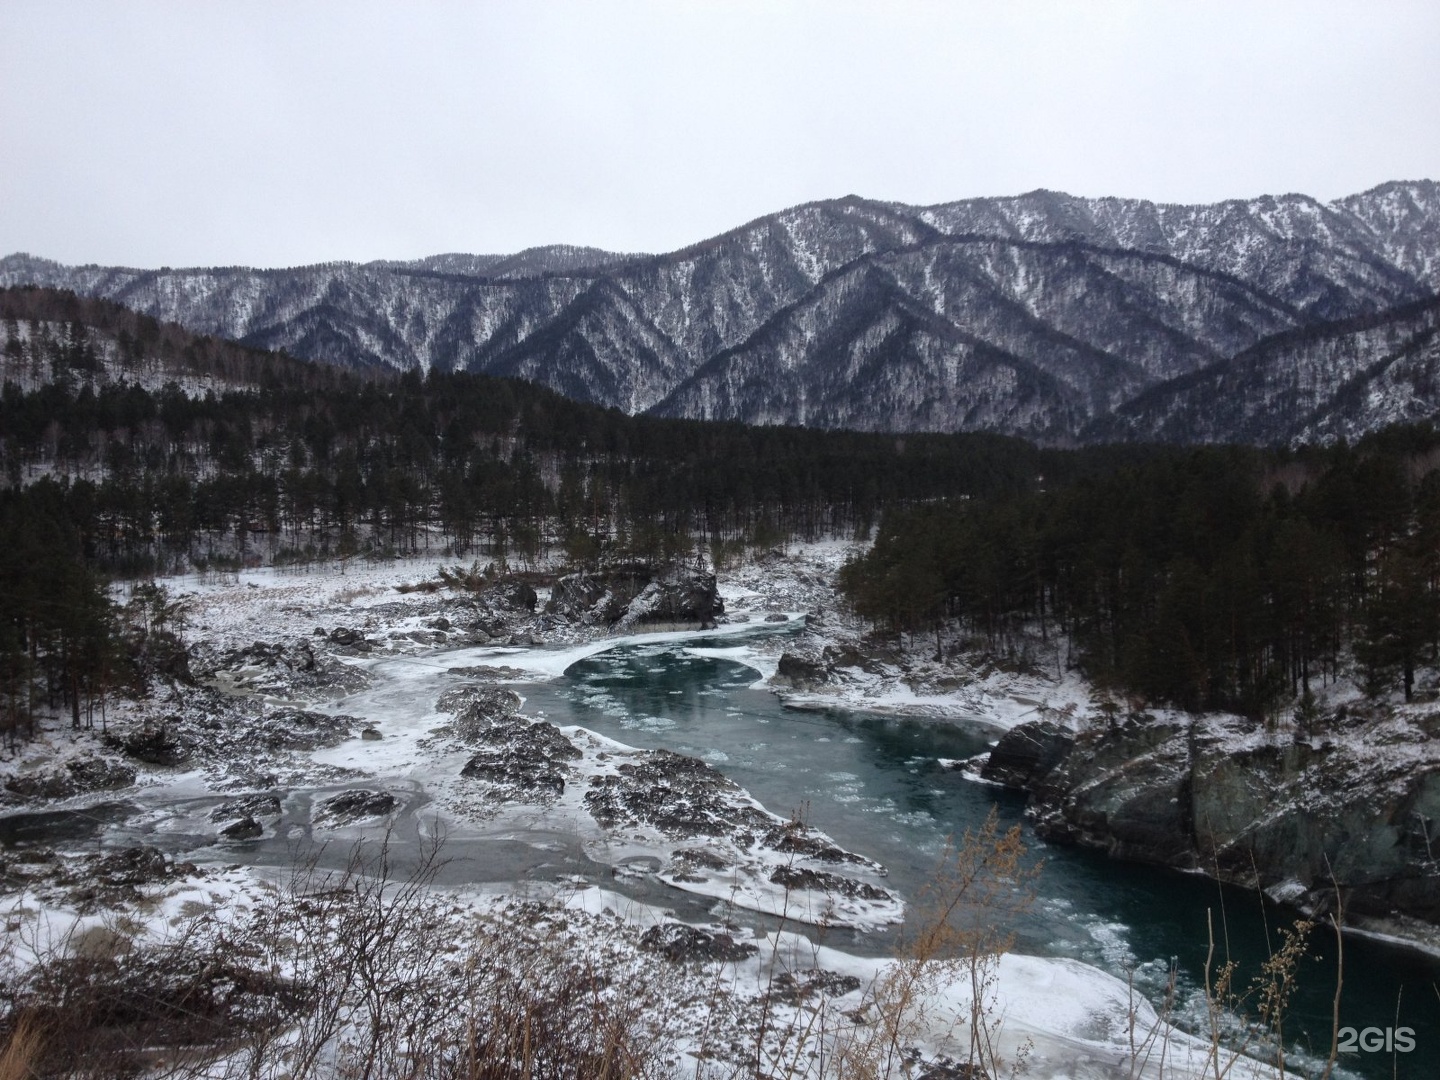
x=247, y=828
x=685, y=597
x=248, y=806
x=681, y=943
x=355, y=805
x=800, y=671
x=634, y=595
x=132, y=866
x=75, y=778
x=510, y=593
x=1027, y=753
x=153, y=745
x=596, y=599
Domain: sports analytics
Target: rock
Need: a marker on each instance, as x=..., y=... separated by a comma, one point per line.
x=1263, y=810
x=776, y=616
x=371, y=734
x=702, y=858
x=793, y=838
x=596, y=599
x=247, y=828
x=302, y=729
x=681, y=943
x=802, y=877
x=75, y=778
x=530, y=756
x=799, y=671
x=355, y=805
x=944, y=1068
x=294, y=656
x=511, y=593
x=477, y=707
x=635, y=595
x=682, y=597
x=491, y=627
x=1027, y=753
x=681, y=796
x=344, y=635
x=1126, y=794
x=154, y=746
x=133, y=866
x=251, y=806
x=794, y=987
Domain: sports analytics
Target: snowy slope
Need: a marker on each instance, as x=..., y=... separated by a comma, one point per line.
x=1045, y=310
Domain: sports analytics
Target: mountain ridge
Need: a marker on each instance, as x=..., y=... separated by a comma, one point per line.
x=1109, y=297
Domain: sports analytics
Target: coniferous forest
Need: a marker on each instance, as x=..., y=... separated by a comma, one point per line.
x=1220, y=577
x=1216, y=578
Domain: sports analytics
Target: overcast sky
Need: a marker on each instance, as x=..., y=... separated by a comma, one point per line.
x=192, y=133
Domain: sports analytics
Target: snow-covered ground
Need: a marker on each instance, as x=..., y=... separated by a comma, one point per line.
x=336, y=678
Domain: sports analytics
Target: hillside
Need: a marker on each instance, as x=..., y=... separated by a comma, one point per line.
x=1035, y=315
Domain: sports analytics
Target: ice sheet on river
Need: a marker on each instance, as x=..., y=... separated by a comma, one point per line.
x=644, y=812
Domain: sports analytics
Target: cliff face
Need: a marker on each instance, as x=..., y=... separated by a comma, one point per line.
x=1356, y=804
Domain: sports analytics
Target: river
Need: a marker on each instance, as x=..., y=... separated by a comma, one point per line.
x=877, y=786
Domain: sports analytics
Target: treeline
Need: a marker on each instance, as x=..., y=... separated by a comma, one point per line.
x=277, y=458
x=1215, y=578
x=455, y=461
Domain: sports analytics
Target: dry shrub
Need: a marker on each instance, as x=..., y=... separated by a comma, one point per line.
x=344, y=974
x=958, y=932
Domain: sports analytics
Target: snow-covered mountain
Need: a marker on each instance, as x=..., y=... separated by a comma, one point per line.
x=1039, y=314
x=1318, y=383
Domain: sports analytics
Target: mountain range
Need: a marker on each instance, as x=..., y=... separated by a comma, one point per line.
x=1059, y=318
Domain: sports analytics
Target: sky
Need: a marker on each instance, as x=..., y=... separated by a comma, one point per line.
x=276, y=134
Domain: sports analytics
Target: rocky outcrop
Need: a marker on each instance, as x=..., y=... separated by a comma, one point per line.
x=682, y=943
x=1356, y=806
x=634, y=596
x=532, y=757
x=289, y=669
x=357, y=804
x=153, y=745
x=512, y=594
x=681, y=796
x=1027, y=753
x=86, y=774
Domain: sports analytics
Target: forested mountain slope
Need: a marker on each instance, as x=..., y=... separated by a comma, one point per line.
x=1315, y=384
x=160, y=448
x=1033, y=315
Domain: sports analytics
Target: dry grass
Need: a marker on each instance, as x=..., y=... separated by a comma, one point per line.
x=24, y=1049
